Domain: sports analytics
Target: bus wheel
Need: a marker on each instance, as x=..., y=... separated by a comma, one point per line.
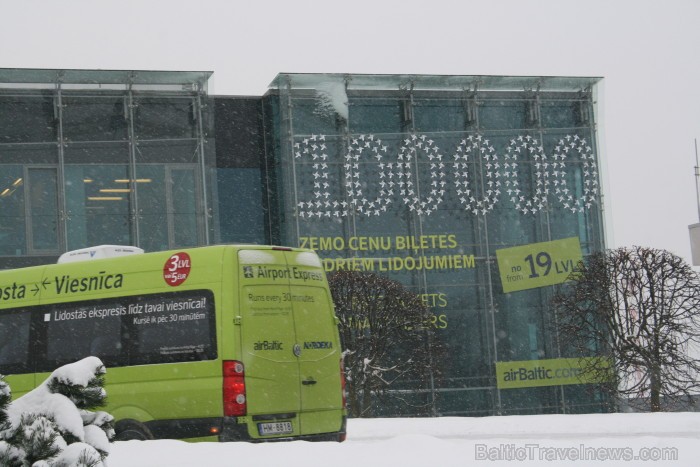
x=131, y=429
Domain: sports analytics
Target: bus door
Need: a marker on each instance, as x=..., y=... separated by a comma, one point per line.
x=268, y=337
x=318, y=341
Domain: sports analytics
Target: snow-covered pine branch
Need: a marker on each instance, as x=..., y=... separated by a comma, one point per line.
x=52, y=425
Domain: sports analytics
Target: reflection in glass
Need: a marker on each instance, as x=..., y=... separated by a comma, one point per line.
x=14, y=338
x=12, y=220
x=161, y=118
x=27, y=119
x=152, y=205
x=184, y=207
x=75, y=149
x=97, y=200
x=94, y=118
x=42, y=198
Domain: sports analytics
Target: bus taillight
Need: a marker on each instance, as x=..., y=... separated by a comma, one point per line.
x=234, y=389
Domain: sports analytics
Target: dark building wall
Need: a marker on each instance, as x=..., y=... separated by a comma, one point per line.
x=240, y=162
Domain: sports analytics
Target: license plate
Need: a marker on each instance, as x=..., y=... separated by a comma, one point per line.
x=275, y=428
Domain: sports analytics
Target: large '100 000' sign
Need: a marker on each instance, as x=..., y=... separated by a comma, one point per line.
x=497, y=177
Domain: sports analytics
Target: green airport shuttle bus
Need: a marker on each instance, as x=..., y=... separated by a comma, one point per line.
x=229, y=342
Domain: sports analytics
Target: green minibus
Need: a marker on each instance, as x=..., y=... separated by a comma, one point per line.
x=226, y=342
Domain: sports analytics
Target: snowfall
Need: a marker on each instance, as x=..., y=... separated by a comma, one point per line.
x=630, y=439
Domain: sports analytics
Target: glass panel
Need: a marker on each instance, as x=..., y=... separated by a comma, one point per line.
x=167, y=152
x=29, y=154
x=436, y=82
x=240, y=197
x=376, y=116
x=42, y=198
x=558, y=114
x=27, y=119
x=95, y=78
x=94, y=119
x=97, y=153
x=182, y=334
x=184, y=207
x=69, y=340
x=12, y=220
x=159, y=118
x=14, y=340
x=153, y=207
x=439, y=115
x=502, y=114
x=168, y=207
x=97, y=199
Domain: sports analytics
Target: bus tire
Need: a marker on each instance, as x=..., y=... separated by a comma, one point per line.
x=132, y=430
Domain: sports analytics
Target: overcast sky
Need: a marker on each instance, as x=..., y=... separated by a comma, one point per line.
x=646, y=51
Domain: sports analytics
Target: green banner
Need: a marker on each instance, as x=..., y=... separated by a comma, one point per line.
x=538, y=264
x=552, y=372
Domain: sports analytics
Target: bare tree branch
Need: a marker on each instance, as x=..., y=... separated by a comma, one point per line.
x=383, y=329
x=639, y=308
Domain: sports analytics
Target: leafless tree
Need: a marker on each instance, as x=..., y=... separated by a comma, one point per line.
x=385, y=333
x=639, y=310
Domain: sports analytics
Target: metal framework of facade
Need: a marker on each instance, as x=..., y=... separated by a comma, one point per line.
x=476, y=192
x=433, y=181
x=85, y=153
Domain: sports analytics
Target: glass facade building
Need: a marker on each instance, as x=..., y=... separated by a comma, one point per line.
x=91, y=157
x=424, y=179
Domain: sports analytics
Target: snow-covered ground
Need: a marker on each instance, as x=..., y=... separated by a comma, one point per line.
x=581, y=440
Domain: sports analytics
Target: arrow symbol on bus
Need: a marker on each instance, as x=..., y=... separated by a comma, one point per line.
x=44, y=283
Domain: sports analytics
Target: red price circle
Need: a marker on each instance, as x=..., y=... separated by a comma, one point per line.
x=177, y=269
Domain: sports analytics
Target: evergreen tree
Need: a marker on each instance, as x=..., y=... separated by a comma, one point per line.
x=85, y=396
x=37, y=438
x=53, y=425
x=5, y=398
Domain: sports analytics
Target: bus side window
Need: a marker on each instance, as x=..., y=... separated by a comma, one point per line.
x=179, y=332
x=81, y=333
x=105, y=346
x=14, y=338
